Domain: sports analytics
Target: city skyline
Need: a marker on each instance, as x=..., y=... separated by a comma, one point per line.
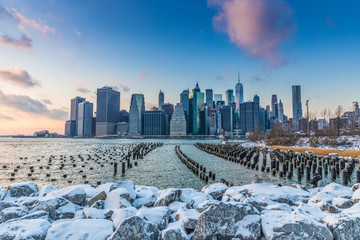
x=50, y=54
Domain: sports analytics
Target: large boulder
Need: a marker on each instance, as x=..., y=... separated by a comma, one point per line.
x=135, y=228
x=157, y=215
x=34, y=229
x=215, y=190
x=57, y=208
x=84, y=229
x=6, y=204
x=35, y=215
x=278, y=225
x=188, y=217
x=128, y=185
x=74, y=194
x=143, y=191
x=175, y=231
x=24, y=189
x=236, y=194
x=121, y=214
x=118, y=198
x=226, y=221
x=197, y=198
x=342, y=202
x=12, y=213
x=165, y=197
x=337, y=190
x=147, y=201
x=345, y=225
x=93, y=213
x=45, y=190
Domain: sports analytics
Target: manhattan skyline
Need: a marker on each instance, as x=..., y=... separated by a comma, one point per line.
x=52, y=51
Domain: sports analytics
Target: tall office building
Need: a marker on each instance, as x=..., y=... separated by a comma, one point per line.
x=74, y=108
x=196, y=100
x=136, y=114
x=178, y=121
x=281, y=111
x=274, y=108
x=184, y=100
x=296, y=102
x=227, y=117
x=70, y=128
x=257, y=99
x=239, y=93
x=229, y=96
x=209, y=97
x=161, y=99
x=168, y=108
x=249, y=117
x=85, y=119
x=107, y=111
x=155, y=123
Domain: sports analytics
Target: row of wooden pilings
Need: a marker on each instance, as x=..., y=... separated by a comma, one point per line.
x=287, y=163
x=195, y=167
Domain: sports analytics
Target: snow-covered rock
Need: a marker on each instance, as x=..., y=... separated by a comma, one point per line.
x=58, y=208
x=135, y=228
x=226, y=221
x=215, y=190
x=117, y=199
x=120, y=214
x=143, y=191
x=34, y=229
x=128, y=185
x=84, y=229
x=208, y=203
x=45, y=190
x=147, y=201
x=12, y=213
x=93, y=213
x=188, y=217
x=7, y=204
x=74, y=194
x=283, y=225
x=23, y=189
x=174, y=231
x=342, y=202
x=234, y=194
x=100, y=196
x=157, y=215
x=165, y=197
x=338, y=190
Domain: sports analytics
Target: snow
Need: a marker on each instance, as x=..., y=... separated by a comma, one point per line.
x=337, y=190
x=85, y=229
x=93, y=213
x=117, y=199
x=31, y=185
x=46, y=190
x=24, y=229
x=143, y=191
x=120, y=214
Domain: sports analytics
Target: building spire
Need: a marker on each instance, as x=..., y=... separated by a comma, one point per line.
x=238, y=76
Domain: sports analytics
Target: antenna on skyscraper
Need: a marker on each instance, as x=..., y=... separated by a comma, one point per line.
x=238, y=76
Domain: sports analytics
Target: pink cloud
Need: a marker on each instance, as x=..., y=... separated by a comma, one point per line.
x=18, y=76
x=23, y=42
x=142, y=74
x=258, y=27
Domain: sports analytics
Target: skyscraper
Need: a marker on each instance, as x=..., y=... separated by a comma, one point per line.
x=209, y=97
x=178, y=121
x=239, y=93
x=74, y=108
x=217, y=97
x=274, y=109
x=256, y=99
x=155, y=123
x=161, y=99
x=107, y=111
x=196, y=100
x=85, y=119
x=296, y=101
x=229, y=96
x=249, y=117
x=281, y=111
x=136, y=114
x=184, y=100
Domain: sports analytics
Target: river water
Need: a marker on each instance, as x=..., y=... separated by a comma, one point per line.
x=160, y=168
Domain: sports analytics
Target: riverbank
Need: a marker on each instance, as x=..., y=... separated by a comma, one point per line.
x=124, y=210
x=321, y=151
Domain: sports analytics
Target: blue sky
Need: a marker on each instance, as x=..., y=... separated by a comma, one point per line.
x=145, y=46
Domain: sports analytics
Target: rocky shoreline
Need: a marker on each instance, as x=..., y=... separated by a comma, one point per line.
x=124, y=210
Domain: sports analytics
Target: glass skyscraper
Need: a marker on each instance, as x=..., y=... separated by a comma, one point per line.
x=136, y=114
x=85, y=119
x=296, y=101
x=196, y=100
x=107, y=111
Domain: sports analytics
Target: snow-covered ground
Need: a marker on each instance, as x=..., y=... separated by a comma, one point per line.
x=126, y=211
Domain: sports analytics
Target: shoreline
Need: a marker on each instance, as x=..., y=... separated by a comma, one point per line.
x=123, y=210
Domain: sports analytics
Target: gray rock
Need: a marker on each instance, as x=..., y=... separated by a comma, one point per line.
x=98, y=204
x=12, y=212
x=57, y=208
x=26, y=201
x=128, y=185
x=168, y=196
x=147, y=201
x=226, y=221
x=343, y=203
x=23, y=189
x=6, y=204
x=215, y=190
x=329, y=208
x=188, y=217
x=34, y=229
x=97, y=197
x=35, y=215
x=158, y=215
x=135, y=228
x=257, y=203
x=76, y=196
x=278, y=225
x=175, y=231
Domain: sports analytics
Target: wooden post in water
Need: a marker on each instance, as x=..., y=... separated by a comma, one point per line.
x=115, y=168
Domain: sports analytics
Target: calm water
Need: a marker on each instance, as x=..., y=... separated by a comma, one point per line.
x=160, y=168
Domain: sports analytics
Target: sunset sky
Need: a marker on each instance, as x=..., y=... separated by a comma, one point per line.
x=52, y=51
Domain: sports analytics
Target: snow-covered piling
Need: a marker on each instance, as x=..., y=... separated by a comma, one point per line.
x=124, y=210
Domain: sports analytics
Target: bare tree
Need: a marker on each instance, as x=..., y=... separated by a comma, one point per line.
x=329, y=114
x=338, y=112
x=323, y=113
